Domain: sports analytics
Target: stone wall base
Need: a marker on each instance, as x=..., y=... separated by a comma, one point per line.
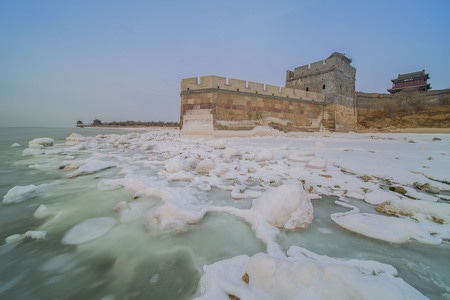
x=404, y=110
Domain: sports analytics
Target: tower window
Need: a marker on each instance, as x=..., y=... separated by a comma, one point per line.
x=307, y=89
x=323, y=87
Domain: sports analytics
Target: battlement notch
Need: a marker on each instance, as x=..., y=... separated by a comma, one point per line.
x=236, y=85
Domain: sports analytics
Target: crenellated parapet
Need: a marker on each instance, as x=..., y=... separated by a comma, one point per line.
x=319, y=66
x=217, y=83
x=334, y=61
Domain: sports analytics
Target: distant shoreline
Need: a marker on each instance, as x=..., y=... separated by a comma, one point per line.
x=129, y=127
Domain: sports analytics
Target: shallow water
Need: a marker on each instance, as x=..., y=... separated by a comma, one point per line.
x=427, y=268
x=137, y=261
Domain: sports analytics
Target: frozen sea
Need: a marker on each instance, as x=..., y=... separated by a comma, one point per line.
x=146, y=214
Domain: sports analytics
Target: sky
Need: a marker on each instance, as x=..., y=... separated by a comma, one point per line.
x=64, y=61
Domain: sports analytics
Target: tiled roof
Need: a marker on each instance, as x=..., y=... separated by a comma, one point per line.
x=412, y=75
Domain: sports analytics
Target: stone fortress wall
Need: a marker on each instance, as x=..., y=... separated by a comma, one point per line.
x=214, y=104
x=319, y=96
x=403, y=110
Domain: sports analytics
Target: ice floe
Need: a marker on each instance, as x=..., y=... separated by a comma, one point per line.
x=302, y=275
x=40, y=143
x=88, y=230
x=376, y=197
x=396, y=229
x=89, y=166
x=30, y=234
x=22, y=193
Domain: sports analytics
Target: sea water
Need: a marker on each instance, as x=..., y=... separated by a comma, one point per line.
x=134, y=261
x=130, y=263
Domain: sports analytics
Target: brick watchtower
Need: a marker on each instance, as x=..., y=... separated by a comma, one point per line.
x=335, y=78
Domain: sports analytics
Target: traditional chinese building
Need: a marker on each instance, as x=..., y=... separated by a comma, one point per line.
x=416, y=81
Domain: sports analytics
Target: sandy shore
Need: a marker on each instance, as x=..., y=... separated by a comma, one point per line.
x=423, y=130
x=406, y=130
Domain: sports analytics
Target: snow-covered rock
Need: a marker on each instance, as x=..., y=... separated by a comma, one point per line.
x=36, y=146
x=418, y=209
x=412, y=193
x=302, y=275
x=176, y=164
x=300, y=156
x=41, y=142
x=220, y=144
x=176, y=214
x=427, y=187
x=42, y=212
x=91, y=166
x=30, y=234
x=231, y=152
x=32, y=152
x=74, y=139
x=376, y=197
x=317, y=163
x=205, y=166
x=35, y=234
x=123, y=140
x=264, y=155
x=147, y=146
x=286, y=206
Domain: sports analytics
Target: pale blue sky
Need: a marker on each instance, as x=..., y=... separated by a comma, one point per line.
x=63, y=61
